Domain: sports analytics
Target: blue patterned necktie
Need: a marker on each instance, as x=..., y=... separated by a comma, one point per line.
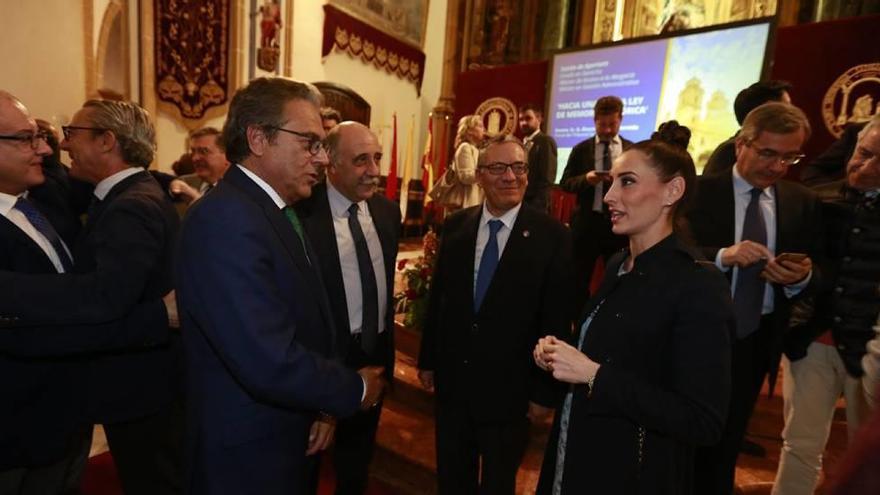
x=488, y=264
x=748, y=297
x=45, y=228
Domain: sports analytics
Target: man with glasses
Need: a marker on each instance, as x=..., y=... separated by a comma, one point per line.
x=258, y=330
x=209, y=161
x=764, y=233
x=826, y=354
x=122, y=266
x=503, y=277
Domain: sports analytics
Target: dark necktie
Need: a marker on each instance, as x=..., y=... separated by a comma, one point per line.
x=291, y=215
x=45, y=228
x=369, y=290
x=488, y=264
x=748, y=298
x=598, y=203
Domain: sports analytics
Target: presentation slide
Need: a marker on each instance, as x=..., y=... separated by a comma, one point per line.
x=691, y=78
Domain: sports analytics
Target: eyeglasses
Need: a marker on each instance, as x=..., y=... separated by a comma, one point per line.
x=315, y=144
x=499, y=168
x=774, y=156
x=32, y=139
x=67, y=128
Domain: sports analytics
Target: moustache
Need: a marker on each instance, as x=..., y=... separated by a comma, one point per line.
x=372, y=181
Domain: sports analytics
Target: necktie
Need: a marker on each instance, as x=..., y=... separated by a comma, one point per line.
x=369, y=290
x=45, y=228
x=748, y=299
x=488, y=264
x=291, y=215
x=598, y=204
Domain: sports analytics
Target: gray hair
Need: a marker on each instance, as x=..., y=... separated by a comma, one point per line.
x=261, y=104
x=497, y=141
x=775, y=117
x=131, y=126
x=874, y=122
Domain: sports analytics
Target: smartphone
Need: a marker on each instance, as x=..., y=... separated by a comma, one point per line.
x=795, y=257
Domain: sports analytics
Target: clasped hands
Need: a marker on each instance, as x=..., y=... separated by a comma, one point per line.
x=565, y=362
x=747, y=253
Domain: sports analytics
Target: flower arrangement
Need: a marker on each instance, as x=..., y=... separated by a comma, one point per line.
x=412, y=300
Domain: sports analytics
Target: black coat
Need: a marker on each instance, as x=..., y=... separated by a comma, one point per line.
x=662, y=338
x=122, y=262
x=482, y=360
x=849, y=301
x=798, y=230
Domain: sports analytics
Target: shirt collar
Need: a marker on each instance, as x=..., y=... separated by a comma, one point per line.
x=615, y=140
x=7, y=202
x=276, y=198
x=339, y=204
x=532, y=135
x=103, y=188
x=508, y=218
x=742, y=186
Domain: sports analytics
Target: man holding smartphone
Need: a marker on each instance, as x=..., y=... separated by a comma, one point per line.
x=827, y=351
x=586, y=174
x=742, y=220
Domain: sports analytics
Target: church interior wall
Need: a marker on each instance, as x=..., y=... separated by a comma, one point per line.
x=45, y=51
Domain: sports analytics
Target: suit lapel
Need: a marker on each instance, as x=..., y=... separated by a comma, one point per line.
x=324, y=240
x=17, y=236
x=517, y=247
x=724, y=209
x=461, y=257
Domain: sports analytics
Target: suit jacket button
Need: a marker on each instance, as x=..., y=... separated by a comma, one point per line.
x=838, y=290
x=609, y=360
x=837, y=319
x=842, y=347
x=465, y=362
x=475, y=327
x=856, y=230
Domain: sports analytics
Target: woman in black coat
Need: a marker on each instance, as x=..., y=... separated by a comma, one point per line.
x=649, y=373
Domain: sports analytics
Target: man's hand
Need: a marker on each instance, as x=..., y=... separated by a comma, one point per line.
x=538, y=413
x=321, y=434
x=594, y=178
x=375, y=385
x=184, y=190
x=426, y=377
x=170, y=301
x=745, y=253
x=787, y=272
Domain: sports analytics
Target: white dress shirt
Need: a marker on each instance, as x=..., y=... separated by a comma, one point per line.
x=507, y=219
x=351, y=275
x=104, y=187
x=616, y=150
x=8, y=210
x=742, y=195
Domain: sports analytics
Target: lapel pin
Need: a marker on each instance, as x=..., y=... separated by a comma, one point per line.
x=526, y=233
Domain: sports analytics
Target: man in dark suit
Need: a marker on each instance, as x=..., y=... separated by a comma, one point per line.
x=501, y=281
x=541, y=153
x=586, y=174
x=743, y=220
x=123, y=261
x=357, y=265
x=209, y=161
x=258, y=329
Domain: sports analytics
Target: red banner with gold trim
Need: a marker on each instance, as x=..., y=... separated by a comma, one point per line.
x=372, y=46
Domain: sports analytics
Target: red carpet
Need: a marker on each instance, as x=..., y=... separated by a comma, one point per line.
x=100, y=479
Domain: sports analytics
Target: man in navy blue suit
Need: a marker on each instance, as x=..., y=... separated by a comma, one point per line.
x=258, y=331
x=122, y=263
